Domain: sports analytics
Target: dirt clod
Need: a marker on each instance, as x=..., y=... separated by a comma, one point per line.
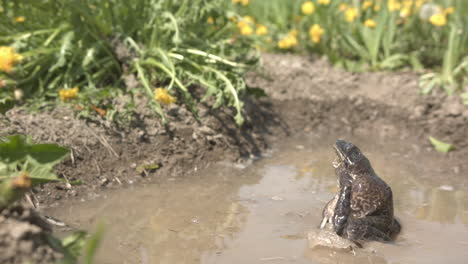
x=23, y=237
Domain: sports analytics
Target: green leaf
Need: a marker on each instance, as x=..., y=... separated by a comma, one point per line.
x=464, y=96
x=17, y=148
x=147, y=167
x=47, y=153
x=13, y=149
x=5, y=105
x=92, y=244
x=441, y=146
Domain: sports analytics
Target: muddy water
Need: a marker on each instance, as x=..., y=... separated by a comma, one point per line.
x=261, y=213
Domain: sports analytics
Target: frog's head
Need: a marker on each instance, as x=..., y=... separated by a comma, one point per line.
x=350, y=156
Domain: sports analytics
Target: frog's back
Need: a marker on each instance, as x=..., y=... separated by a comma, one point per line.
x=370, y=196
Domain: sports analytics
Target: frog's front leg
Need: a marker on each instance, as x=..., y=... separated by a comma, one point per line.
x=342, y=209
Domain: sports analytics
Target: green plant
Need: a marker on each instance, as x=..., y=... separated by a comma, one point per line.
x=371, y=34
x=78, y=247
x=454, y=66
x=24, y=164
x=92, y=43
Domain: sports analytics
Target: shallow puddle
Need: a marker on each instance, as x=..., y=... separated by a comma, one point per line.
x=262, y=213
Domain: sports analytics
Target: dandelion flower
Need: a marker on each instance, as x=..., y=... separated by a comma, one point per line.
x=287, y=42
x=449, y=10
x=393, y=5
x=351, y=14
x=249, y=19
x=405, y=12
x=370, y=23
x=293, y=32
x=342, y=6
x=246, y=30
x=315, y=33
x=20, y=19
x=438, y=20
x=261, y=30
x=366, y=4
x=323, y=2
x=244, y=2
x=428, y=10
x=407, y=3
x=8, y=58
x=210, y=20
x=308, y=8
x=68, y=94
x=161, y=95
x=419, y=3
x=282, y=44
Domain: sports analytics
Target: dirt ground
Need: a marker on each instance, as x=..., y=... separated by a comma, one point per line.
x=304, y=94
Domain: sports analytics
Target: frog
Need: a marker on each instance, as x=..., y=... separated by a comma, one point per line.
x=362, y=210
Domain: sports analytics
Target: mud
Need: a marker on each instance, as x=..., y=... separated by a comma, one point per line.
x=264, y=212
x=24, y=237
x=305, y=95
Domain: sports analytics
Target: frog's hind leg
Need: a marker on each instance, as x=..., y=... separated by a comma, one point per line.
x=365, y=229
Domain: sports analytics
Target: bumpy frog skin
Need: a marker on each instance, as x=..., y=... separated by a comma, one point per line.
x=363, y=208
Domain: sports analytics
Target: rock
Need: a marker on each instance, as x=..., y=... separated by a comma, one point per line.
x=329, y=239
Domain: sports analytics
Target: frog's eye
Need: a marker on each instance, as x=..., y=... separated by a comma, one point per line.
x=348, y=147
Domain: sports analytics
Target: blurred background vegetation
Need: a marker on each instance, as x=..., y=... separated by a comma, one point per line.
x=87, y=52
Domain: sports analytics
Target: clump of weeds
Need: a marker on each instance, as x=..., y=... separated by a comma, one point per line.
x=87, y=52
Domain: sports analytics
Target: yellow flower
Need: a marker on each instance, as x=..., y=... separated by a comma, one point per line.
x=287, y=42
x=419, y=3
x=8, y=58
x=249, y=19
x=20, y=19
x=342, y=6
x=68, y=94
x=308, y=8
x=438, y=20
x=292, y=40
x=366, y=4
x=449, y=10
x=261, y=30
x=293, y=32
x=351, y=14
x=161, y=95
x=323, y=2
x=370, y=23
x=315, y=32
x=405, y=12
x=407, y=3
x=210, y=20
x=243, y=2
x=246, y=21
x=393, y=5
x=377, y=7
x=246, y=30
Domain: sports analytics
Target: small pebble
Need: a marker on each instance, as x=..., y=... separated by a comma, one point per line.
x=446, y=187
x=277, y=198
